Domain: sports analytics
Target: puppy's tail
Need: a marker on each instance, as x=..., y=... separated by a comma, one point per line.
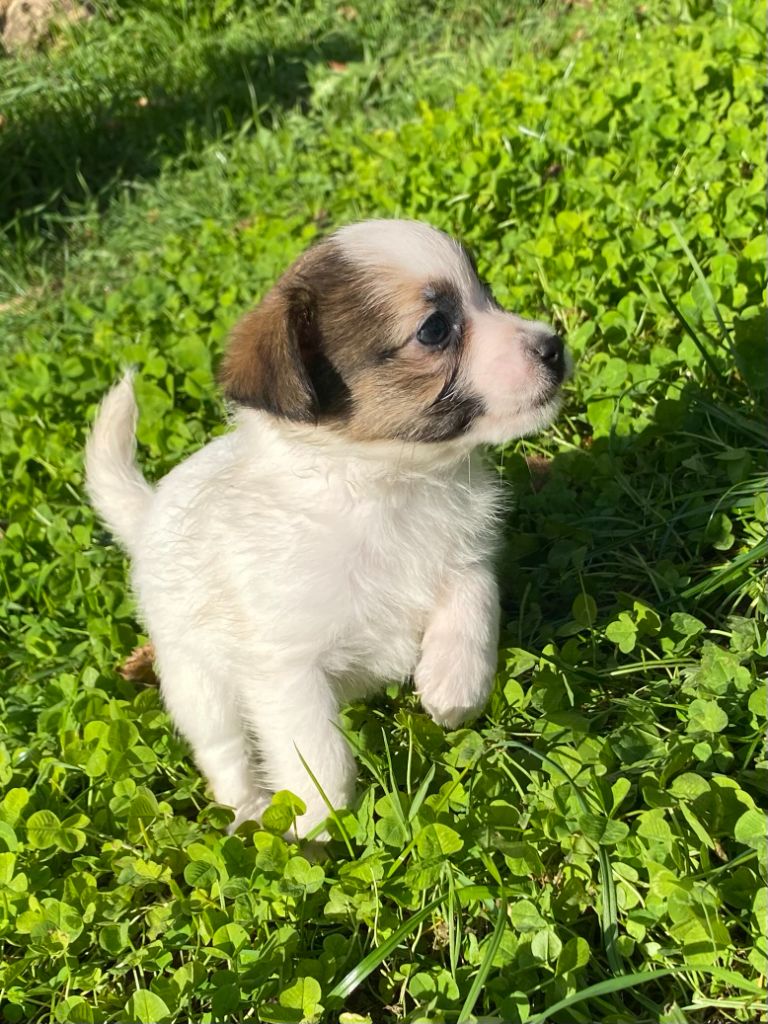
x=118, y=491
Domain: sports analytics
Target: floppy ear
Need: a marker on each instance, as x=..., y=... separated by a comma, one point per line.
x=265, y=365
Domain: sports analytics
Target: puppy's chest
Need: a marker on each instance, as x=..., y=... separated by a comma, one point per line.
x=399, y=551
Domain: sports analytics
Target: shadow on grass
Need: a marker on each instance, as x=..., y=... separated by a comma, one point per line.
x=642, y=555
x=658, y=515
x=84, y=140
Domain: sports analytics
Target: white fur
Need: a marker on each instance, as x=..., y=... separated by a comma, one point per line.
x=281, y=573
x=500, y=365
x=112, y=469
x=285, y=569
x=409, y=246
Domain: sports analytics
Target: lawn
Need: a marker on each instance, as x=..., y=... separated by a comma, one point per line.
x=594, y=848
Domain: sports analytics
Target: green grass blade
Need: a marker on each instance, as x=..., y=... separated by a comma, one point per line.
x=354, y=978
x=485, y=967
x=725, y=333
x=602, y=988
x=609, y=919
x=609, y=915
x=331, y=809
x=548, y=760
x=721, y=576
x=689, y=330
x=393, y=791
x=421, y=793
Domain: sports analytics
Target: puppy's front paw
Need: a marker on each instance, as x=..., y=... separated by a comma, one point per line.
x=251, y=810
x=449, y=717
x=454, y=678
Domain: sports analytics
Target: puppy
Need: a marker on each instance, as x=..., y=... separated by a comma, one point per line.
x=342, y=535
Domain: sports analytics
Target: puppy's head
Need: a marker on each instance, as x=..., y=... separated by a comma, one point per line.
x=384, y=331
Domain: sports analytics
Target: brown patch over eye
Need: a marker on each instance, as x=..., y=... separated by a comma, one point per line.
x=416, y=395
x=373, y=354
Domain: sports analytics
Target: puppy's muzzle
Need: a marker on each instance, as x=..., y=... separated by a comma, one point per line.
x=549, y=349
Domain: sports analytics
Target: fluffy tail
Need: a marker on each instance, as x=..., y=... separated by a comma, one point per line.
x=118, y=491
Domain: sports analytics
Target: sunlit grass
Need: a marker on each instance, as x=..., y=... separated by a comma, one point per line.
x=594, y=847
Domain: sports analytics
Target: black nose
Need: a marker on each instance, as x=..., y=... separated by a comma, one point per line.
x=550, y=350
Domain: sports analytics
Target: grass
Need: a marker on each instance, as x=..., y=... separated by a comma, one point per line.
x=153, y=87
x=595, y=847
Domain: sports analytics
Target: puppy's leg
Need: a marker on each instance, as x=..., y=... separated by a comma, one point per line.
x=208, y=718
x=295, y=717
x=455, y=672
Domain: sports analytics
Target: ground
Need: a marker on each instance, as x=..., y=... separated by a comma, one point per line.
x=594, y=848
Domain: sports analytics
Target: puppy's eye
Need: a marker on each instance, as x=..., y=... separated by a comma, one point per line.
x=435, y=332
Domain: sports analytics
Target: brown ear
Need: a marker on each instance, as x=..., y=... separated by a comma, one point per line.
x=264, y=366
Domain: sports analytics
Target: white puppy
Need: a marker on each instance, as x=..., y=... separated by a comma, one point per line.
x=342, y=535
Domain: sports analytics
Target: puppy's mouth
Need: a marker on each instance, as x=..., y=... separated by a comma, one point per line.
x=551, y=391
x=547, y=396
